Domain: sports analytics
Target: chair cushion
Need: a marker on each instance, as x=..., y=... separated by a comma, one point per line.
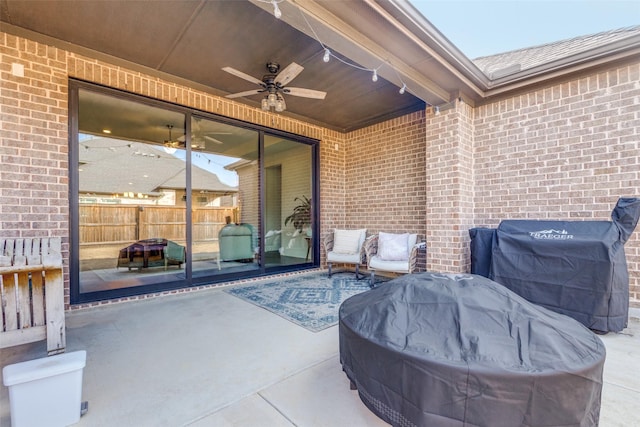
x=375, y=263
x=393, y=247
x=339, y=258
x=347, y=241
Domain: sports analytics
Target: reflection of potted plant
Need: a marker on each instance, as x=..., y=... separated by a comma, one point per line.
x=301, y=216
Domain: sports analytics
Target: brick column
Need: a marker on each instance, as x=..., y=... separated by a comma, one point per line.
x=449, y=172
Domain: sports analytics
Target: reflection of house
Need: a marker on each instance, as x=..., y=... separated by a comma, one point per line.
x=114, y=171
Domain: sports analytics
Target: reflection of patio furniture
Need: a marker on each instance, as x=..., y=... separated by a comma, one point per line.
x=272, y=241
x=143, y=254
x=236, y=242
x=173, y=254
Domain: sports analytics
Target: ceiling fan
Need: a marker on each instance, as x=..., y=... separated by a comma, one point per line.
x=171, y=144
x=274, y=84
x=199, y=137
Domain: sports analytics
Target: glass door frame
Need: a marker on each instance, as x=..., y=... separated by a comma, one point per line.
x=76, y=297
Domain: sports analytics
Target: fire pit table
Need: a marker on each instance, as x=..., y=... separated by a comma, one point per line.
x=462, y=350
x=143, y=254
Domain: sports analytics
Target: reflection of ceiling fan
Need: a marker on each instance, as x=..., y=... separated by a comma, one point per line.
x=274, y=85
x=199, y=137
x=170, y=144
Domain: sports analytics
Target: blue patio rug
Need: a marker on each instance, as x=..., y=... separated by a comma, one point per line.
x=310, y=300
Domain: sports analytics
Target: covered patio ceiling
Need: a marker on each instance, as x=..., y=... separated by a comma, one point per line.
x=190, y=41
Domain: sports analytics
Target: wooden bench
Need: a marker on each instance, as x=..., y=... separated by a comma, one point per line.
x=32, y=291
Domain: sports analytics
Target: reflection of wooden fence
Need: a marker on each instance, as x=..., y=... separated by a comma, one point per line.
x=101, y=224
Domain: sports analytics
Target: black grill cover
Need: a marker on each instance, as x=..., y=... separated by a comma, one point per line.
x=481, y=244
x=461, y=350
x=577, y=268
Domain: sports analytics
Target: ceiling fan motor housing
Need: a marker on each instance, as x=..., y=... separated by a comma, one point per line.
x=273, y=67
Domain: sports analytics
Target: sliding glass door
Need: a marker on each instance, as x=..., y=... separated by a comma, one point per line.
x=225, y=198
x=129, y=192
x=288, y=215
x=168, y=197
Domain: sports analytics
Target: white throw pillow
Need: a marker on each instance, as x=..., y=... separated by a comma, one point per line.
x=393, y=247
x=346, y=241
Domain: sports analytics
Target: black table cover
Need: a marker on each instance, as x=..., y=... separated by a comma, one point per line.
x=461, y=350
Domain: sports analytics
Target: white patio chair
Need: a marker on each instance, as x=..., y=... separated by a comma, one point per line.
x=396, y=253
x=345, y=247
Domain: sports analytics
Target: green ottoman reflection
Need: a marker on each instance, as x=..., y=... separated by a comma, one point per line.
x=236, y=242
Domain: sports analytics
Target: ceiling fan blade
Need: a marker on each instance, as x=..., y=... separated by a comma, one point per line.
x=242, y=75
x=288, y=74
x=212, y=139
x=305, y=93
x=245, y=93
x=174, y=144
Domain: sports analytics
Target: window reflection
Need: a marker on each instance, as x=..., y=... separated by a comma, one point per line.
x=131, y=186
x=172, y=198
x=225, y=207
x=288, y=192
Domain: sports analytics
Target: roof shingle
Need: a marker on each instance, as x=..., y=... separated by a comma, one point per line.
x=504, y=64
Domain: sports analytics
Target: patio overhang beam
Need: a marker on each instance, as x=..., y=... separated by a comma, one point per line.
x=457, y=64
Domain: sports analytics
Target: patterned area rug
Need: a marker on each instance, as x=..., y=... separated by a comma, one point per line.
x=310, y=300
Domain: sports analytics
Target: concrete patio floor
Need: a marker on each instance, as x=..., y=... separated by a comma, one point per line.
x=206, y=358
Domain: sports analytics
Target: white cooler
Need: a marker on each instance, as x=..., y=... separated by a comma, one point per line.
x=47, y=391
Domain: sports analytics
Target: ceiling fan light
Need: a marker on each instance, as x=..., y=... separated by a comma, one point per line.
x=272, y=99
x=265, y=104
x=280, y=106
x=374, y=77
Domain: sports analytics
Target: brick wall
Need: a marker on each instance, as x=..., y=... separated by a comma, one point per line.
x=450, y=187
x=385, y=176
x=564, y=152
x=33, y=143
x=332, y=183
